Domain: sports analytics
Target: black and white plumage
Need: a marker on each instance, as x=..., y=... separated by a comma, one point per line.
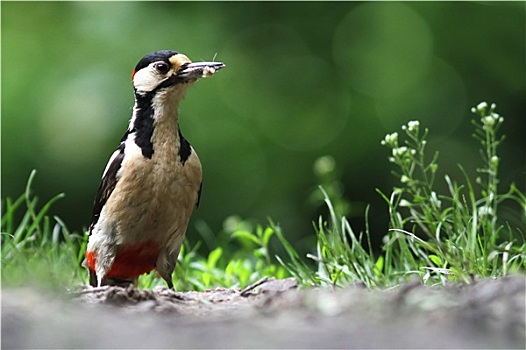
x=152, y=182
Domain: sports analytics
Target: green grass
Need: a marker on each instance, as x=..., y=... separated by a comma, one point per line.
x=244, y=259
x=38, y=249
x=455, y=236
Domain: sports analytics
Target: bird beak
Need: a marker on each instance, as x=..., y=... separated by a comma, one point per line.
x=194, y=71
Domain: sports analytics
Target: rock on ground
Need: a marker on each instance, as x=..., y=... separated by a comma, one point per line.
x=274, y=314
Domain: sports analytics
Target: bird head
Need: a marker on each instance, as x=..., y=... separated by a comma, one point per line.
x=169, y=69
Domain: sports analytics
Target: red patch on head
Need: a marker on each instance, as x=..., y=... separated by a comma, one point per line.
x=131, y=261
x=133, y=73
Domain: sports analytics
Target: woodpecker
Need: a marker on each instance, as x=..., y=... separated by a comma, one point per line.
x=152, y=182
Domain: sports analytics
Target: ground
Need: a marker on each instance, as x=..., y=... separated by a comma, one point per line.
x=273, y=314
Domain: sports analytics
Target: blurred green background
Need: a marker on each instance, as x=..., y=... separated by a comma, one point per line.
x=303, y=80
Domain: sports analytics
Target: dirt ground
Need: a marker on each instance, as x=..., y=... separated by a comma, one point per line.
x=274, y=314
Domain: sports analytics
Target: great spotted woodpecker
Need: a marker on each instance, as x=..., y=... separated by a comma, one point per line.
x=152, y=182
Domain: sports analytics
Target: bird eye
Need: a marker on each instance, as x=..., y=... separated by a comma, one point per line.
x=162, y=67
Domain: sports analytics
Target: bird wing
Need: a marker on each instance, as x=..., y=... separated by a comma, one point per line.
x=107, y=185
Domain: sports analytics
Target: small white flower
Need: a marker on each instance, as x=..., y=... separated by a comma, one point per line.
x=403, y=152
x=390, y=139
x=482, y=106
x=495, y=116
x=413, y=125
x=399, y=151
x=405, y=179
x=488, y=121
